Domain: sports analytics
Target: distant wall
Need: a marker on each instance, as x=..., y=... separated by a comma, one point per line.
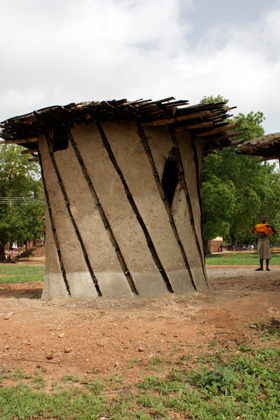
x=215, y=245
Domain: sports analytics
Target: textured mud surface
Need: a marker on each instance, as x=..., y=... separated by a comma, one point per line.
x=107, y=336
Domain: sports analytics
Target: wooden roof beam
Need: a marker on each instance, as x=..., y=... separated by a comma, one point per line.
x=265, y=158
x=209, y=147
x=27, y=151
x=33, y=159
x=178, y=118
x=217, y=130
x=232, y=134
x=21, y=141
x=201, y=125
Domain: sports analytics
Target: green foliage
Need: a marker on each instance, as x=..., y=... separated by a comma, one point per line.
x=220, y=379
x=251, y=124
x=211, y=99
x=236, y=189
x=218, y=200
x=22, y=199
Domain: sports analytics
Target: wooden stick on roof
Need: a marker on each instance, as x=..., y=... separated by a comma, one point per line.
x=22, y=141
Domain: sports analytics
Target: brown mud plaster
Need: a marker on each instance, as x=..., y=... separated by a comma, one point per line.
x=122, y=188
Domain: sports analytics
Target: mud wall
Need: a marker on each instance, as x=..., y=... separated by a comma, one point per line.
x=111, y=230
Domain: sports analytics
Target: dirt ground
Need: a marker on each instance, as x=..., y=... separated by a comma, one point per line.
x=107, y=337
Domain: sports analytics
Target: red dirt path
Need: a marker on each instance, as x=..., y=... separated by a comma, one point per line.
x=106, y=335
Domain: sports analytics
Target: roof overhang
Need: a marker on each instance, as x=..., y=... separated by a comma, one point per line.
x=207, y=122
x=267, y=147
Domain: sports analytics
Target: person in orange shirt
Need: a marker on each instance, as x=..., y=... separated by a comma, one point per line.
x=263, y=230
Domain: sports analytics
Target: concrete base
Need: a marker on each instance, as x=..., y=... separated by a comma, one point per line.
x=54, y=287
x=81, y=286
x=113, y=285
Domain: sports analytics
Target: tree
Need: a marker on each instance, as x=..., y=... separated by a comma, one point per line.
x=21, y=198
x=237, y=189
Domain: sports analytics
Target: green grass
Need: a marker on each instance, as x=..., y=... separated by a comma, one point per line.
x=240, y=383
x=21, y=269
x=21, y=279
x=269, y=330
x=238, y=259
x=21, y=274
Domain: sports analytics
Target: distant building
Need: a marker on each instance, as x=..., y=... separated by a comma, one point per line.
x=122, y=189
x=217, y=245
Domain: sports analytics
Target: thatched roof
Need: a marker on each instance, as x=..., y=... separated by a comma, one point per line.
x=207, y=121
x=267, y=147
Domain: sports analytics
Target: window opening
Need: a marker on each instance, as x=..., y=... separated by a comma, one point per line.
x=60, y=138
x=170, y=179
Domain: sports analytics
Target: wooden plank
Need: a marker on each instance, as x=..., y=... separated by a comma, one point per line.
x=217, y=130
x=265, y=158
x=209, y=147
x=236, y=142
x=172, y=120
x=231, y=134
x=170, y=98
x=22, y=141
x=202, y=125
x=27, y=151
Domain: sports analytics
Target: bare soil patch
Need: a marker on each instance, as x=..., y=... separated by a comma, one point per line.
x=108, y=336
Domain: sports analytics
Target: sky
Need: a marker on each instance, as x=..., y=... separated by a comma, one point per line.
x=54, y=52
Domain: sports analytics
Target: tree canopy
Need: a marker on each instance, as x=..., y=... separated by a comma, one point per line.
x=236, y=189
x=21, y=197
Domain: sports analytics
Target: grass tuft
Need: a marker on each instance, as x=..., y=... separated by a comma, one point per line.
x=269, y=330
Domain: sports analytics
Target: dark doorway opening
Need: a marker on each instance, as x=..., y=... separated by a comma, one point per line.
x=170, y=179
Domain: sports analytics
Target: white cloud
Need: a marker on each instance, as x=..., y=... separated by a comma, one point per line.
x=56, y=52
